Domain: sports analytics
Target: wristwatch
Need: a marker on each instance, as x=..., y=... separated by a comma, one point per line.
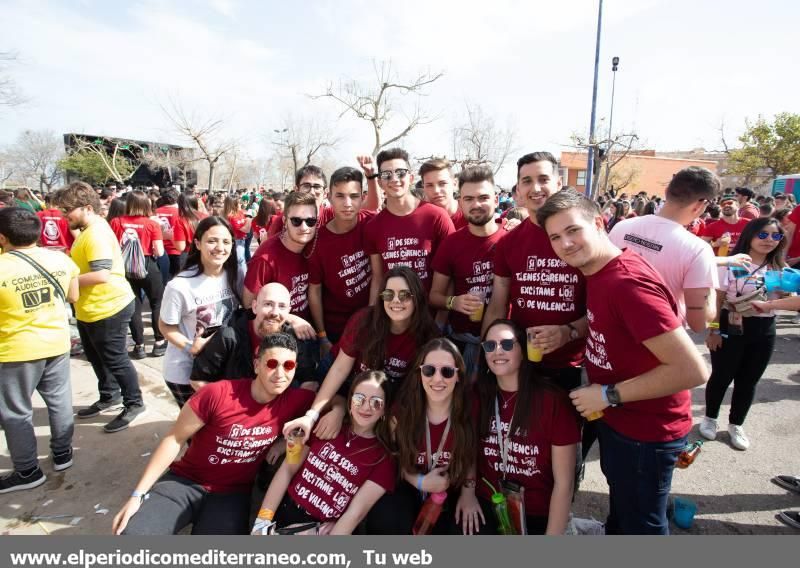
x=373, y=176
x=469, y=483
x=613, y=396
x=573, y=332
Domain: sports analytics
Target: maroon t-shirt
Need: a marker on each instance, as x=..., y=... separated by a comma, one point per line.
x=749, y=212
x=443, y=459
x=469, y=261
x=168, y=217
x=716, y=230
x=273, y=262
x=458, y=219
x=276, y=225
x=529, y=454
x=333, y=472
x=410, y=240
x=627, y=304
x=55, y=230
x=226, y=452
x=340, y=264
x=543, y=289
x=401, y=349
x=145, y=229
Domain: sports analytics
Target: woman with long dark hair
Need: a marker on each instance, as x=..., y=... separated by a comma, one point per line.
x=616, y=214
x=384, y=337
x=527, y=433
x=136, y=225
x=263, y=219
x=199, y=300
x=183, y=231
x=436, y=443
x=742, y=338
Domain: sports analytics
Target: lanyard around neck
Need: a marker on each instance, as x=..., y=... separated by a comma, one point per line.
x=433, y=459
x=502, y=443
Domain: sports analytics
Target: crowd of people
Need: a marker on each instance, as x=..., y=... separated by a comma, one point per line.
x=393, y=348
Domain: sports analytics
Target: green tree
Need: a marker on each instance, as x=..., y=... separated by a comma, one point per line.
x=774, y=146
x=91, y=168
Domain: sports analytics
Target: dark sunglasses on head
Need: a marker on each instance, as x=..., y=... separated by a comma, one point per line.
x=309, y=221
x=446, y=372
x=402, y=295
x=491, y=345
x=401, y=173
x=765, y=235
x=375, y=402
x=288, y=365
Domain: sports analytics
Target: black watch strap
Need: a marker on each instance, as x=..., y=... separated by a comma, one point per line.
x=373, y=176
x=613, y=396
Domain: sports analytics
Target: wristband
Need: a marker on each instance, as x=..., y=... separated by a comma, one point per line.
x=373, y=176
x=188, y=348
x=420, y=477
x=322, y=334
x=313, y=414
x=603, y=390
x=451, y=300
x=266, y=514
x=713, y=325
x=142, y=496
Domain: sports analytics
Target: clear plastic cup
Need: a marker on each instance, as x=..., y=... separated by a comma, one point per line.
x=534, y=353
x=294, y=446
x=479, y=293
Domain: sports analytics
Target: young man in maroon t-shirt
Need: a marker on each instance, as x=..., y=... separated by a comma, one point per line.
x=545, y=294
x=438, y=185
x=465, y=260
x=640, y=364
x=407, y=232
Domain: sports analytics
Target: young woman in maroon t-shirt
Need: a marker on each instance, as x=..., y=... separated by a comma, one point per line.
x=263, y=219
x=539, y=433
x=434, y=433
x=240, y=223
x=337, y=481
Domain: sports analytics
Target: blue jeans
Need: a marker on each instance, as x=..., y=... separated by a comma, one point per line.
x=639, y=476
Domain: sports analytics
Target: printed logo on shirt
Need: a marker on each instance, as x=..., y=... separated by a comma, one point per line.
x=35, y=298
x=596, y=352
x=355, y=272
x=521, y=456
x=242, y=445
x=642, y=242
x=51, y=231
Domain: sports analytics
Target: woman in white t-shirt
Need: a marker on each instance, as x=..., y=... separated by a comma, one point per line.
x=742, y=338
x=199, y=300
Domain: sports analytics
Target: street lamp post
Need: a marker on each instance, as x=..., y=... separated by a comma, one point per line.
x=614, y=66
x=591, y=146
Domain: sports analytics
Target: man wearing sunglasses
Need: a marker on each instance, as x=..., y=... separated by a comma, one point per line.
x=685, y=262
x=728, y=228
x=546, y=295
x=407, y=232
x=639, y=359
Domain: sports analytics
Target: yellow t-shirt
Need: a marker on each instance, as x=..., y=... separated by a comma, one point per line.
x=33, y=318
x=97, y=302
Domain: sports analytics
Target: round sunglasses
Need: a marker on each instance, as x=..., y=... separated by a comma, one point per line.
x=763, y=235
x=446, y=372
x=490, y=346
x=288, y=365
x=375, y=402
x=402, y=295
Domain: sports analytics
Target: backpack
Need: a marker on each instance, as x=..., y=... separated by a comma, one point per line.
x=133, y=255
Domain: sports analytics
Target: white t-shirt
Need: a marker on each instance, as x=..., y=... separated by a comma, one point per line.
x=682, y=259
x=744, y=283
x=193, y=304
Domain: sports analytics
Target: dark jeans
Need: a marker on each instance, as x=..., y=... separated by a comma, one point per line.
x=639, y=476
x=175, y=263
x=395, y=513
x=163, y=268
x=104, y=345
x=307, y=361
x=741, y=360
x=153, y=288
x=174, y=502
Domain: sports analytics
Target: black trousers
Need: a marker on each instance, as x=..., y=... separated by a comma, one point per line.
x=104, y=345
x=741, y=360
x=153, y=288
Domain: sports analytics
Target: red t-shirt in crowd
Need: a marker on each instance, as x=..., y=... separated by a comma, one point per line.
x=410, y=240
x=260, y=232
x=226, y=452
x=749, y=211
x=333, y=472
x=276, y=225
x=400, y=351
x=273, y=262
x=168, y=216
x=144, y=228
x=543, y=289
x=340, y=264
x=696, y=227
x=469, y=261
x=794, y=246
x=237, y=222
x=552, y=423
x=55, y=230
x=458, y=219
x=719, y=228
x=627, y=303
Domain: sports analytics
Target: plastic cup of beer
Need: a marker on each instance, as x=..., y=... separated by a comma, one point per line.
x=534, y=353
x=294, y=446
x=594, y=415
x=479, y=293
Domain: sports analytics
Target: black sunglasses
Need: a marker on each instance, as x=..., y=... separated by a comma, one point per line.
x=491, y=345
x=402, y=295
x=765, y=235
x=309, y=221
x=446, y=372
x=401, y=173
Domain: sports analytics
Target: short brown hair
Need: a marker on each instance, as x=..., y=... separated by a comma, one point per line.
x=298, y=198
x=564, y=201
x=436, y=165
x=475, y=174
x=77, y=194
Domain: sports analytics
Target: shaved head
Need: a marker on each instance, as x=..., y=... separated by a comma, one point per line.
x=271, y=307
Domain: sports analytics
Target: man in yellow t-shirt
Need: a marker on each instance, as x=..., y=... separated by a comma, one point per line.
x=105, y=306
x=35, y=284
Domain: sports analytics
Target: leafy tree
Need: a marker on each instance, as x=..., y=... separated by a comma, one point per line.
x=91, y=168
x=774, y=146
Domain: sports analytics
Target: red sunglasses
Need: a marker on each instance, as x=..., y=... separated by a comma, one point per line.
x=288, y=365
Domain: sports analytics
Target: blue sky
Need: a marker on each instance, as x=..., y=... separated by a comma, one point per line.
x=686, y=66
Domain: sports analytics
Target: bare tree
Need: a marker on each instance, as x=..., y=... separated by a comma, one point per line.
x=170, y=159
x=302, y=139
x=608, y=154
x=35, y=156
x=10, y=94
x=202, y=132
x=6, y=168
x=479, y=141
x=378, y=103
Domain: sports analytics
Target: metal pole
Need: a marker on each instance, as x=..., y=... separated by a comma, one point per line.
x=614, y=63
x=591, y=147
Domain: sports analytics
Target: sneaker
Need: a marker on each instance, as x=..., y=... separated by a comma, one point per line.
x=789, y=482
x=124, y=418
x=738, y=438
x=98, y=407
x=159, y=348
x=138, y=352
x=15, y=481
x=791, y=518
x=62, y=461
x=708, y=428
